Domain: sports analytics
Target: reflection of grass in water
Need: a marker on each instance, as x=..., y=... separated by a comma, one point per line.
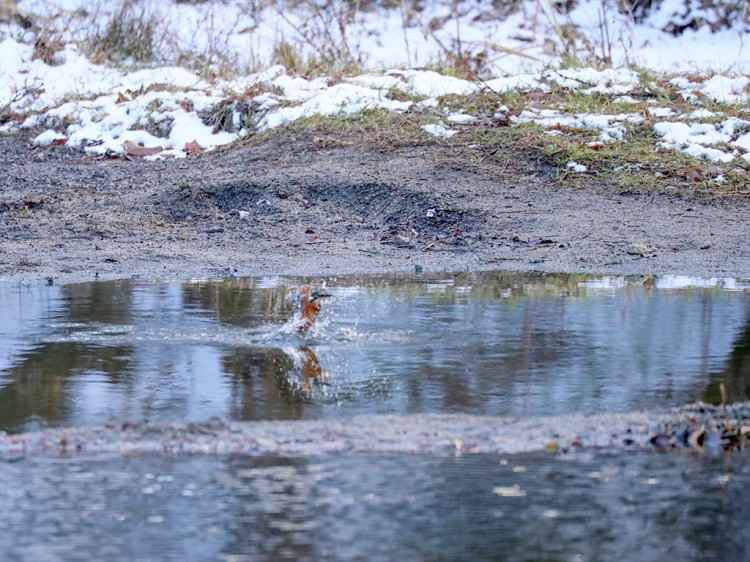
x=242, y=302
x=37, y=388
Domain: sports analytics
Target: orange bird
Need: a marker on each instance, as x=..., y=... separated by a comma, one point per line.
x=308, y=300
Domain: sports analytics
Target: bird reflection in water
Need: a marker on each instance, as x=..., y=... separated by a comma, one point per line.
x=307, y=369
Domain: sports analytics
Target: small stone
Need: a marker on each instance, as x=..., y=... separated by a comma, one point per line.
x=400, y=241
x=638, y=249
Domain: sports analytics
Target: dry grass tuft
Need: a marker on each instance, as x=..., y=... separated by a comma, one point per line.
x=231, y=116
x=50, y=40
x=133, y=33
x=8, y=10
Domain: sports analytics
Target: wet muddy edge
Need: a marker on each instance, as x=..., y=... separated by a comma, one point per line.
x=287, y=206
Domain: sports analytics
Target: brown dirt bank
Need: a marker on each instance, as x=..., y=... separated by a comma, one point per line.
x=316, y=207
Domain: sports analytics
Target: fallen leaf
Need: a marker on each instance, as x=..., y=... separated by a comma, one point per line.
x=31, y=204
x=309, y=231
x=59, y=142
x=192, y=147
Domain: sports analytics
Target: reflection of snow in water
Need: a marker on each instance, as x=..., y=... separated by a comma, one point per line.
x=610, y=283
x=684, y=282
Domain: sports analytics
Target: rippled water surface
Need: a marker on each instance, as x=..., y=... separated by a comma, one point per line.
x=492, y=343
x=642, y=506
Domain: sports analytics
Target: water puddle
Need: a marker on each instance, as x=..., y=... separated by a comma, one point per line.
x=393, y=366
x=494, y=344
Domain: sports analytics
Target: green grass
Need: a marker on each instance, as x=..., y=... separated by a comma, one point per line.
x=636, y=165
x=373, y=128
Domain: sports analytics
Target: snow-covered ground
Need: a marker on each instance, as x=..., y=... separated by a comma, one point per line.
x=165, y=110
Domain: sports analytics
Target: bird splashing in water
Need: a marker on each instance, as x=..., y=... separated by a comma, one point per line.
x=308, y=301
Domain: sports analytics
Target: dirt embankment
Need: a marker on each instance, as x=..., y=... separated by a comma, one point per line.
x=299, y=206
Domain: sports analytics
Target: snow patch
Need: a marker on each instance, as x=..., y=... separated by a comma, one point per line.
x=461, y=119
x=439, y=131
x=575, y=167
x=48, y=137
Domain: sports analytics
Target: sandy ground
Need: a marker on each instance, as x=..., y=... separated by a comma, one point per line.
x=317, y=208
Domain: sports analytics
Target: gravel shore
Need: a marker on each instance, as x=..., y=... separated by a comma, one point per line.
x=698, y=427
